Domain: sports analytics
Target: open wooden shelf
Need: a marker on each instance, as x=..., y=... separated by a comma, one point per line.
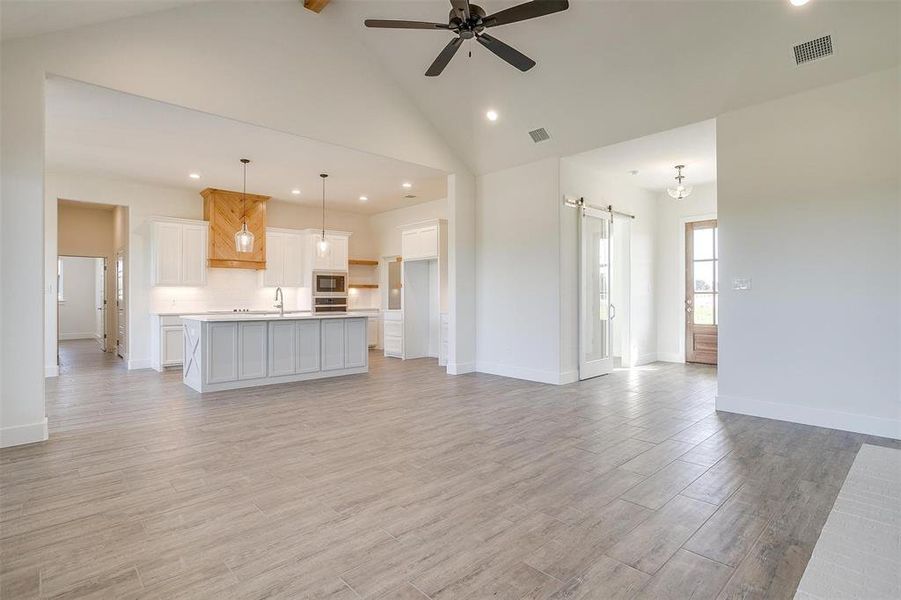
x=363, y=261
x=364, y=286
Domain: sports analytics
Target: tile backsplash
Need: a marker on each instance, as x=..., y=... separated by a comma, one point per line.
x=226, y=289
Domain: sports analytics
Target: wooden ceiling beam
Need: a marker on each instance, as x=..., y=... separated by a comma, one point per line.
x=315, y=5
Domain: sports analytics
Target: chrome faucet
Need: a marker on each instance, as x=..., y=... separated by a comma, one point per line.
x=280, y=305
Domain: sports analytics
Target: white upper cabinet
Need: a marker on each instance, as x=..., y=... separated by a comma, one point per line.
x=284, y=258
x=422, y=241
x=178, y=252
x=335, y=258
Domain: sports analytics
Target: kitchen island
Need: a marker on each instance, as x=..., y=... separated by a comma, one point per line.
x=225, y=352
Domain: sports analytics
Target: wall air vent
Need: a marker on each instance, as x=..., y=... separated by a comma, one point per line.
x=539, y=135
x=813, y=50
x=410, y=196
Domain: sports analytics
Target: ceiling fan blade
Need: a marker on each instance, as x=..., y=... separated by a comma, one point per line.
x=507, y=53
x=521, y=12
x=462, y=8
x=391, y=24
x=446, y=55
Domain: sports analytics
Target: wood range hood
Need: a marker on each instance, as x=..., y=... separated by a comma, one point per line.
x=224, y=211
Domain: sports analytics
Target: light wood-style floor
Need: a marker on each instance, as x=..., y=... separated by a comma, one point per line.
x=407, y=483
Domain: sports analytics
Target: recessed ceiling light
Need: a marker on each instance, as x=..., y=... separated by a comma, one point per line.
x=491, y=115
x=363, y=198
x=407, y=184
x=296, y=192
x=194, y=175
x=799, y=2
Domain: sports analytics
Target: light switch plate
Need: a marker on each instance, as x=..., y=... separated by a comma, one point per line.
x=740, y=283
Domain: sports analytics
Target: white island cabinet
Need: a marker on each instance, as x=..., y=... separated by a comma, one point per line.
x=224, y=352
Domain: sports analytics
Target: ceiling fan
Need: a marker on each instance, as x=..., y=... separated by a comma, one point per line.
x=470, y=21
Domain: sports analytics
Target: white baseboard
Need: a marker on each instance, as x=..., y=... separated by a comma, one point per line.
x=460, y=368
x=134, y=365
x=568, y=377
x=552, y=377
x=51, y=370
x=77, y=336
x=673, y=358
x=23, y=434
x=646, y=359
x=809, y=415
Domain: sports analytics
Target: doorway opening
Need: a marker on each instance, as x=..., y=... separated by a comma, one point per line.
x=638, y=290
x=91, y=273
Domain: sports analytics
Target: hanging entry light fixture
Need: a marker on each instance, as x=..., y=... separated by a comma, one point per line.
x=244, y=237
x=680, y=191
x=322, y=245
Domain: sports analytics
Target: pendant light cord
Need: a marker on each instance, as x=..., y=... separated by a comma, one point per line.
x=323, y=176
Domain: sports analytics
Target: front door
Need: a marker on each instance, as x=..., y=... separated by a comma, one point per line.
x=701, y=292
x=594, y=293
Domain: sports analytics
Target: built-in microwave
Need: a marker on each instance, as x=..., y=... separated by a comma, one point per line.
x=329, y=283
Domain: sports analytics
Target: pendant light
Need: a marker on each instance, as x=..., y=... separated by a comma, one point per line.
x=322, y=245
x=244, y=237
x=680, y=191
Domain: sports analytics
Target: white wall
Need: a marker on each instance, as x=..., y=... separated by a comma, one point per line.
x=599, y=189
x=808, y=203
x=518, y=272
x=670, y=272
x=78, y=311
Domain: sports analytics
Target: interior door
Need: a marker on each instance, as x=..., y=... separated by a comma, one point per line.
x=701, y=292
x=595, y=227
x=121, y=318
x=100, y=300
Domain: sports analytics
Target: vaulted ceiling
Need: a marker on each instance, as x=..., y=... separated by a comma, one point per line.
x=611, y=71
x=607, y=71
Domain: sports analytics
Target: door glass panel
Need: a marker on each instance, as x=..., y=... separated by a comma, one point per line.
x=703, y=244
x=703, y=276
x=716, y=242
x=703, y=309
x=394, y=283
x=596, y=292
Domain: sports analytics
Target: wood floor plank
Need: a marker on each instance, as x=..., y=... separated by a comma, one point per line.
x=686, y=575
x=407, y=482
x=652, y=543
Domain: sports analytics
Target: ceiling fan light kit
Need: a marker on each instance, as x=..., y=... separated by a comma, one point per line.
x=469, y=21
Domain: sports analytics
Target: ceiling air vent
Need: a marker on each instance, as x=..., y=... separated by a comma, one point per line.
x=539, y=135
x=410, y=196
x=813, y=50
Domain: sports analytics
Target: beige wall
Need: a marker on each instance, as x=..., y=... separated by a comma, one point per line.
x=88, y=230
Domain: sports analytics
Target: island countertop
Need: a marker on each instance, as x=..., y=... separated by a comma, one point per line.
x=273, y=316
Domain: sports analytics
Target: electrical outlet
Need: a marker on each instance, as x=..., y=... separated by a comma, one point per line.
x=742, y=284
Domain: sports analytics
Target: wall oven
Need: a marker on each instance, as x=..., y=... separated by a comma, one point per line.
x=329, y=304
x=327, y=283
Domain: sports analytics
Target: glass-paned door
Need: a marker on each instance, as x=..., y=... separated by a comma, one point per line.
x=595, y=227
x=701, y=291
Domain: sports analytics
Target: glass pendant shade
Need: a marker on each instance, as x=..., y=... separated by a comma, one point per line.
x=244, y=240
x=679, y=192
x=322, y=247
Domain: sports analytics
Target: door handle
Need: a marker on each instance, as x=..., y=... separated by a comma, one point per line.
x=612, y=312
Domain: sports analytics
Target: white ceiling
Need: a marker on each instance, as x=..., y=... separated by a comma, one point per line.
x=655, y=156
x=23, y=18
x=609, y=71
x=93, y=129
